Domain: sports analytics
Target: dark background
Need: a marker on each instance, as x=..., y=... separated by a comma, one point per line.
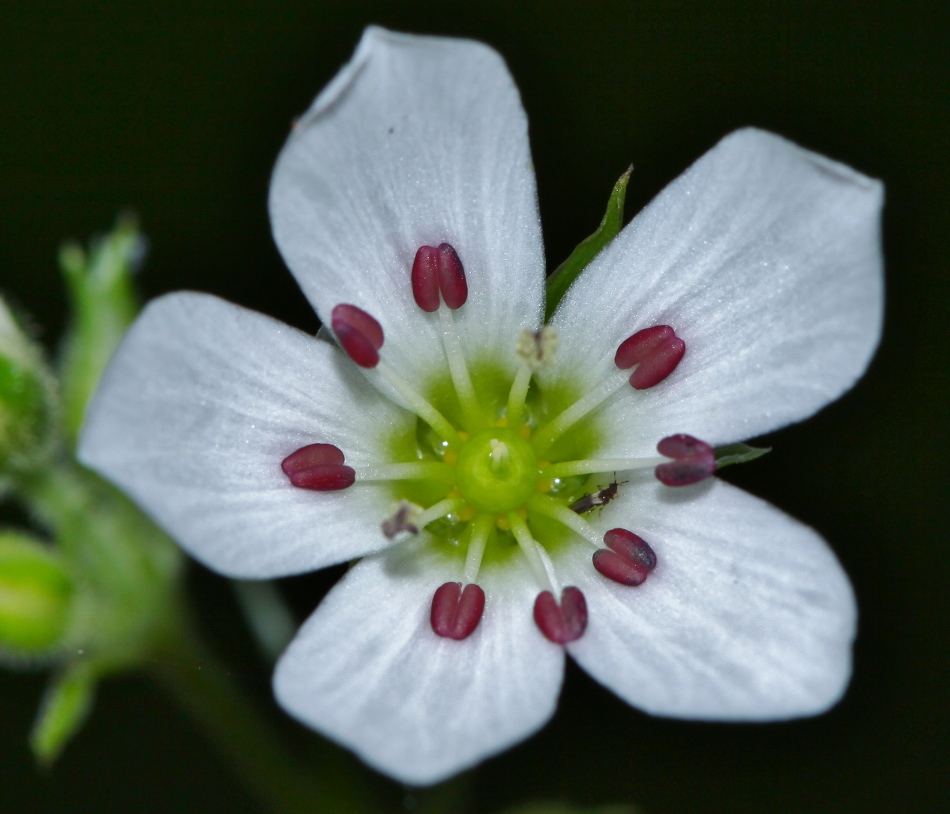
x=178, y=109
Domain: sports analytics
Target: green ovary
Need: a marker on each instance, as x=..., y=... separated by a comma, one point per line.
x=501, y=477
x=497, y=470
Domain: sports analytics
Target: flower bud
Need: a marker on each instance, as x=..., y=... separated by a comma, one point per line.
x=26, y=399
x=35, y=594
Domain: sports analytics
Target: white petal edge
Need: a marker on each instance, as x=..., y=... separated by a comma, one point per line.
x=367, y=671
x=417, y=141
x=199, y=406
x=766, y=260
x=748, y=615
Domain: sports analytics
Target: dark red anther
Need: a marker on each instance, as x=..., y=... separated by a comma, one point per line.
x=456, y=613
x=695, y=460
x=438, y=271
x=630, y=559
x=360, y=335
x=319, y=467
x=425, y=278
x=656, y=351
x=452, y=281
x=565, y=622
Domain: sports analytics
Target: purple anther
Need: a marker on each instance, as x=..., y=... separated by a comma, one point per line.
x=425, y=278
x=694, y=460
x=360, y=335
x=452, y=282
x=656, y=351
x=318, y=467
x=630, y=559
x=561, y=623
x=456, y=613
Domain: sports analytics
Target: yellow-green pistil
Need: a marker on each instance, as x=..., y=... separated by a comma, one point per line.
x=497, y=470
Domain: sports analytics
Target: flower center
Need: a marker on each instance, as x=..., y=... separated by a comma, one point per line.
x=499, y=465
x=497, y=470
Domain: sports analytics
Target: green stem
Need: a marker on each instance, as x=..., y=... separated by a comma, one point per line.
x=200, y=684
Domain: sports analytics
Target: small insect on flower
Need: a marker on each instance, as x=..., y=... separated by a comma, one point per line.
x=601, y=498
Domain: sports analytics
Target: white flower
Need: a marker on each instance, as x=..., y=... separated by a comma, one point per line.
x=763, y=258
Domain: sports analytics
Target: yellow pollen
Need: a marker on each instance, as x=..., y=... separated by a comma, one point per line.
x=502, y=522
x=451, y=457
x=501, y=422
x=467, y=512
x=524, y=431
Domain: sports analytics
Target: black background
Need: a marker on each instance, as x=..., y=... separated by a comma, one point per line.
x=178, y=109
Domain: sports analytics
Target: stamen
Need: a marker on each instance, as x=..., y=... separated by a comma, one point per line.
x=359, y=334
x=319, y=467
x=596, y=466
x=565, y=622
x=404, y=520
x=476, y=545
x=550, y=507
x=418, y=404
x=695, y=460
x=456, y=613
x=422, y=470
x=529, y=548
x=440, y=509
x=517, y=396
x=457, y=367
x=425, y=278
x=630, y=559
x=535, y=350
x=656, y=351
x=452, y=282
x=554, y=429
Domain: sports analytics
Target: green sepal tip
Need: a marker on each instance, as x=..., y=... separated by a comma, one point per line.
x=103, y=304
x=738, y=454
x=64, y=709
x=559, y=281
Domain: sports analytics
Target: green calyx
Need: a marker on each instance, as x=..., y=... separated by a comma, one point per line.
x=497, y=470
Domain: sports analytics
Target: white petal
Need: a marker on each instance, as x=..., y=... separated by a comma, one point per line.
x=765, y=258
x=747, y=616
x=417, y=141
x=202, y=402
x=367, y=670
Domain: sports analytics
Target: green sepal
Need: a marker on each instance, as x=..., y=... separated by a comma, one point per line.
x=64, y=709
x=559, y=281
x=27, y=400
x=104, y=304
x=35, y=595
x=738, y=454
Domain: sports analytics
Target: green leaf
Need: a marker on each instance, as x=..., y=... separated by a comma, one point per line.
x=104, y=305
x=738, y=454
x=561, y=278
x=64, y=710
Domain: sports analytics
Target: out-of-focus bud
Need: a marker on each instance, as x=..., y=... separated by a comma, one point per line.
x=103, y=306
x=26, y=399
x=35, y=596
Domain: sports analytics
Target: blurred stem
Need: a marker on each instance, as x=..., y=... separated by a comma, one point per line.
x=200, y=684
